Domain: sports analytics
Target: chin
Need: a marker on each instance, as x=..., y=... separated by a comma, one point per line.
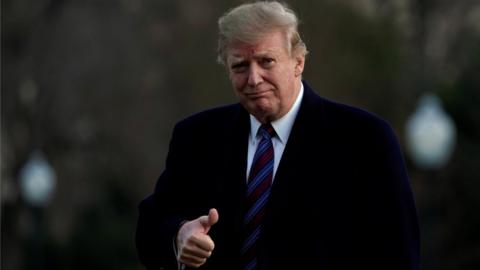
x=264, y=115
x=262, y=109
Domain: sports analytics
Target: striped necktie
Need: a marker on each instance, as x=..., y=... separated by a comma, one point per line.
x=258, y=190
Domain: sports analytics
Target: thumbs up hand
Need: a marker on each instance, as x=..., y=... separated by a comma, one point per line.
x=194, y=245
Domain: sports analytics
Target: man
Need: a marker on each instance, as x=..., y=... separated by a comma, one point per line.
x=283, y=180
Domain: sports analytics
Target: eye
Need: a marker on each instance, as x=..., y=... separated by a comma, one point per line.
x=267, y=62
x=239, y=67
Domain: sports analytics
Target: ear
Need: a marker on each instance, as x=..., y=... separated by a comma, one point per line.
x=299, y=65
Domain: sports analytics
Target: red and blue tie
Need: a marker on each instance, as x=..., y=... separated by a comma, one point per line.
x=258, y=190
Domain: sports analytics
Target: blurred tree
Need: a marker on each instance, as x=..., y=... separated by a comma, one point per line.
x=98, y=84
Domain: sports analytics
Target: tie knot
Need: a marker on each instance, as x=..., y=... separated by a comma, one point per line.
x=267, y=131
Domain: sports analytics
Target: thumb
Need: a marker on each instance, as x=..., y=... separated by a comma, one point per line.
x=210, y=220
x=212, y=216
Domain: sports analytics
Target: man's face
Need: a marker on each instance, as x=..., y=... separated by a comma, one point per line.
x=265, y=77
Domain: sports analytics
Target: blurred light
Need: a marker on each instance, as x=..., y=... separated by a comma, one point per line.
x=37, y=180
x=28, y=92
x=430, y=134
x=474, y=18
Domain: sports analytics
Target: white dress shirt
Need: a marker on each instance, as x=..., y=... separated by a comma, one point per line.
x=282, y=127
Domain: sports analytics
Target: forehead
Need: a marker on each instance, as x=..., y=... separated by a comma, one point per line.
x=269, y=44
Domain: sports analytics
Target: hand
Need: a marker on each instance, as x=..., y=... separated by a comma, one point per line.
x=194, y=245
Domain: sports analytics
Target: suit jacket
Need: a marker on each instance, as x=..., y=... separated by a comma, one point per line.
x=341, y=197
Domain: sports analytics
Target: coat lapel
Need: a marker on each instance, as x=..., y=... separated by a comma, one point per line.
x=233, y=159
x=305, y=134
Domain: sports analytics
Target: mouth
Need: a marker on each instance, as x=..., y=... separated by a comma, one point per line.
x=257, y=94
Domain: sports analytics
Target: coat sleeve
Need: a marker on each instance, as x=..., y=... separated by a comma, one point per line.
x=391, y=214
x=161, y=213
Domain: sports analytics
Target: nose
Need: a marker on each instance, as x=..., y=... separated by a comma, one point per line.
x=254, y=76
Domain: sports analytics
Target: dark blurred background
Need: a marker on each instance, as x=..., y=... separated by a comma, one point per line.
x=90, y=91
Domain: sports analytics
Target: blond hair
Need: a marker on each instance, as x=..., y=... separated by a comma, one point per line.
x=248, y=23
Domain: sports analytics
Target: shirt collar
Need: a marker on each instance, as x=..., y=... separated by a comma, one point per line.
x=282, y=126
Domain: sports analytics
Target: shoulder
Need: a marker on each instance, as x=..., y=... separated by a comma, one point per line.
x=211, y=119
x=336, y=116
x=355, y=117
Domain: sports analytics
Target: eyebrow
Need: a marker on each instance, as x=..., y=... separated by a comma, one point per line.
x=264, y=54
x=235, y=59
x=239, y=59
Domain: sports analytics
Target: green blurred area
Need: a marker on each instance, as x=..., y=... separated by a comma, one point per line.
x=97, y=85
